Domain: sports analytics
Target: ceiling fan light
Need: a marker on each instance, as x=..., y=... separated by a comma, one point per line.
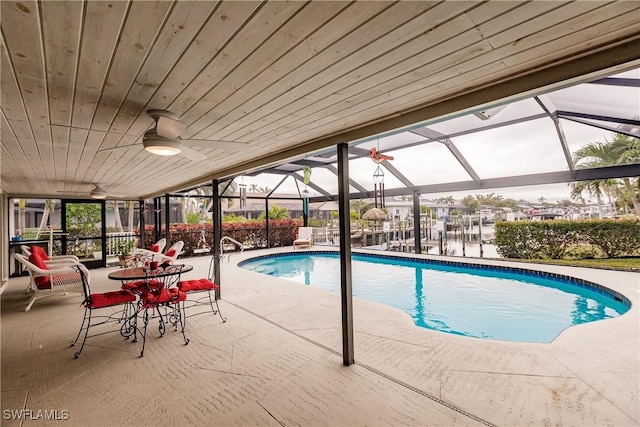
x=162, y=147
x=98, y=193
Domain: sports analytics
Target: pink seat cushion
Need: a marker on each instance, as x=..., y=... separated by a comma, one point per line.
x=164, y=296
x=109, y=299
x=155, y=248
x=42, y=282
x=40, y=252
x=197, y=285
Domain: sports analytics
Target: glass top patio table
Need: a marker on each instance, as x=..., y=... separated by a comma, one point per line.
x=141, y=273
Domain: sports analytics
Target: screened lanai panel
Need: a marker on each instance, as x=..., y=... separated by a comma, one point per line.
x=426, y=164
x=267, y=182
x=328, y=180
x=488, y=117
x=599, y=100
x=384, y=144
x=528, y=195
x=362, y=170
x=578, y=135
x=521, y=149
x=288, y=186
x=609, y=126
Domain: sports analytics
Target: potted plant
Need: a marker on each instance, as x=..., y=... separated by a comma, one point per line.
x=124, y=248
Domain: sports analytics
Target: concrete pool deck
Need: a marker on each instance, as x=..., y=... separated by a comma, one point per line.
x=277, y=361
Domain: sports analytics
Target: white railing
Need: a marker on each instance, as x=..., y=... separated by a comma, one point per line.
x=326, y=235
x=114, y=238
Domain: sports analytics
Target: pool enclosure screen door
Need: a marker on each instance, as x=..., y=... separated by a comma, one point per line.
x=83, y=231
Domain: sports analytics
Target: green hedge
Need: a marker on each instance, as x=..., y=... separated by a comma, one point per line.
x=554, y=239
x=282, y=232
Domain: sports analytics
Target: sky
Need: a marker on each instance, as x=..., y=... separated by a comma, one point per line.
x=518, y=149
x=531, y=151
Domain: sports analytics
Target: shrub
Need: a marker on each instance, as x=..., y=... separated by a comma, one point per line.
x=282, y=232
x=614, y=237
x=552, y=239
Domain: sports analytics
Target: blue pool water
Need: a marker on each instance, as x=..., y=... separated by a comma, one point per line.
x=485, y=303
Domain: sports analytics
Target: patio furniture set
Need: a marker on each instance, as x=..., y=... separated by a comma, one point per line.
x=152, y=288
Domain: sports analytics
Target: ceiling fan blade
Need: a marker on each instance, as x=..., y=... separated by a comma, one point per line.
x=206, y=143
x=53, y=125
x=169, y=128
x=194, y=155
x=118, y=147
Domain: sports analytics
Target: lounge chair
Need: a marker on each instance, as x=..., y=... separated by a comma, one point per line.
x=155, y=249
x=172, y=253
x=51, y=280
x=305, y=237
x=57, y=261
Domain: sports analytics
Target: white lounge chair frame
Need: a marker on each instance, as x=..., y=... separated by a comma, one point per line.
x=64, y=278
x=305, y=237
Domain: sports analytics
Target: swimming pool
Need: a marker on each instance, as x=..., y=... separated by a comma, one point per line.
x=471, y=300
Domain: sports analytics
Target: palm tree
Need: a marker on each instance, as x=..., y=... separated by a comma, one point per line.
x=596, y=187
x=446, y=201
x=22, y=221
x=253, y=188
x=129, y=204
x=471, y=202
x=621, y=149
x=360, y=207
x=232, y=188
x=276, y=212
x=204, y=200
x=184, y=201
x=628, y=149
x=116, y=210
x=49, y=205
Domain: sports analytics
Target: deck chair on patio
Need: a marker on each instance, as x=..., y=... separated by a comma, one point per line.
x=50, y=261
x=172, y=253
x=53, y=259
x=106, y=302
x=50, y=280
x=155, y=249
x=305, y=237
x=195, y=290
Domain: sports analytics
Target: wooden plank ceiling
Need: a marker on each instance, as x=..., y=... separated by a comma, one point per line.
x=281, y=77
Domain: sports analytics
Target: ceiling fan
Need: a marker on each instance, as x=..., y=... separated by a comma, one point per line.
x=98, y=192
x=164, y=138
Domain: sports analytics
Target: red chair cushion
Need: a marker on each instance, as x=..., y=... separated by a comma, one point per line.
x=197, y=285
x=109, y=299
x=42, y=282
x=40, y=252
x=163, y=296
x=139, y=286
x=155, y=248
x=170, y=253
